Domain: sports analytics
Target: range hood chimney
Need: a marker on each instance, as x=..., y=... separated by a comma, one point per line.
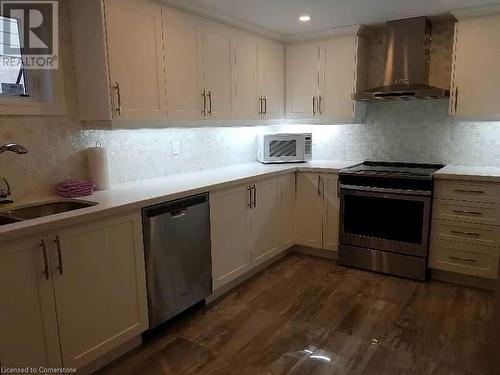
x=407, y=60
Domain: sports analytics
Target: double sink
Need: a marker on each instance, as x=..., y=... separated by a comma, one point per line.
x=37, y=210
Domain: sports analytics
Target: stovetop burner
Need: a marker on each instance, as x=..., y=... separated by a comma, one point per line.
x=395, y=175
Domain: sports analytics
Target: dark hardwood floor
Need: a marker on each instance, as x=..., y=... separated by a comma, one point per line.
x=306, y=315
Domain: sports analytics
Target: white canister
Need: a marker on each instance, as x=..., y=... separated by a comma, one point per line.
x=99, y=167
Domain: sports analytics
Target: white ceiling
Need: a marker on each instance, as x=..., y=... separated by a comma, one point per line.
x=281, y=16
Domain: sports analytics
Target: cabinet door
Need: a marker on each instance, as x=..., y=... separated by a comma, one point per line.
x=28, y=322
x=183, y=48
x=272, y=78
x=476, y=67
x=309, y=210
x=338, y=67
x=302, y=79
x=218, y=69
x=230, y=234
x=287, y=219
x=266, y=216
x=331, y=212
x=135, y=51
x=247, y=83
x=101, y=289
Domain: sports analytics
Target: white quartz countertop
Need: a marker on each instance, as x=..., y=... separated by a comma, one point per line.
x=457, y=172
x=138, y=194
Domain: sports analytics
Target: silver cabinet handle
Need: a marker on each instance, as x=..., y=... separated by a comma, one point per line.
x=249, y=189
x=118, y=98
x=456, y=99
x=57, y=241
x=466, y=233
x=265, y=105
x=260, y=106
x=314, y=105
x=459, y=259
x=43, y=247
x=320, y=100
x=469, y=191
x=209, y=102
x=464, y=212
x=319, y=182
x=204, y=94
x=254, y=196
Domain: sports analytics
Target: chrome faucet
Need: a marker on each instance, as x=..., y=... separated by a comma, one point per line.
x=17, y=149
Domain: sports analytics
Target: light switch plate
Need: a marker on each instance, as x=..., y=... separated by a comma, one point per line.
x=176, y=147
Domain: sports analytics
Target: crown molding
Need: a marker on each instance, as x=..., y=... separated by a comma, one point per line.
x=192, y=6
x=322, y=34
x=478, y=11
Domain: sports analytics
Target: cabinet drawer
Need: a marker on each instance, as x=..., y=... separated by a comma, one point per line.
x=462, y=258
x=465, y=232
x=467, y=191
x=481, y=213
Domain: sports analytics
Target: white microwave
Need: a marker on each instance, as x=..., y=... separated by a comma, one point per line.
x=284, y=148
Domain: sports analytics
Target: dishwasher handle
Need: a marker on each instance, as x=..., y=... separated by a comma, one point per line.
x=176, y=208
x=178, y=213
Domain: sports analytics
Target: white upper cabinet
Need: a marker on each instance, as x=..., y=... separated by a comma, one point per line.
x=218, y=70
x=338, y=78
x=260, y=77
x=476, y=79
x=183, y=56
x=302, y=80
x=321, y=78
x=119, y=62
x=272, y=78
x=248, y=97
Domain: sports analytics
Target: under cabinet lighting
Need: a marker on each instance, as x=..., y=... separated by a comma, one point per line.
x=304, y=18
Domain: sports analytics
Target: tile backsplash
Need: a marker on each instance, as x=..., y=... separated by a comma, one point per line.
x=419, y=131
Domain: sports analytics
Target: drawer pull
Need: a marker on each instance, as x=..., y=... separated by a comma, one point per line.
x=469, y=191
x=463, y=212
x=468, y=260
x=465, y=233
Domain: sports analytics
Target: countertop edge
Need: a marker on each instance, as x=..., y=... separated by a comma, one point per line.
x=49, y=223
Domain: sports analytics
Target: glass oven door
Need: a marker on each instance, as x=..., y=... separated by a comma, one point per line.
x=385, y=221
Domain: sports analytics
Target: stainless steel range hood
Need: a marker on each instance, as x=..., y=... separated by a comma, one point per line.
x=407, y=60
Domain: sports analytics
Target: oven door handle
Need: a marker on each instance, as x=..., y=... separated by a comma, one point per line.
x=385, y=190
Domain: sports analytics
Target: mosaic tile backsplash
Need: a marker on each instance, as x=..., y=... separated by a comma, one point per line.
x=419, y=131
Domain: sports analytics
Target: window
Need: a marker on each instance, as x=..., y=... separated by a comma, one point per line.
x=13, y=80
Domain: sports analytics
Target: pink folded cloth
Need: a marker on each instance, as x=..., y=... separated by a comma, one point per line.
x=75, y=189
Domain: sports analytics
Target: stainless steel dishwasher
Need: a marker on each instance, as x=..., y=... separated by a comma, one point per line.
x=178, y=260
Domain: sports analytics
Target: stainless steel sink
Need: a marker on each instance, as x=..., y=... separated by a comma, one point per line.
x=34, y=211
x=4, y=220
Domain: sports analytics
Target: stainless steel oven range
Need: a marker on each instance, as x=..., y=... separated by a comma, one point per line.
x=385, y=213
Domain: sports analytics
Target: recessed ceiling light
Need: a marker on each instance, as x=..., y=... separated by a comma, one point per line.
x=304, y=18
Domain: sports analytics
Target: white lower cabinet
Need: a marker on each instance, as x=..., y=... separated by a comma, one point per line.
x=28, y=323
x=100, y=290
x=309, y=218
x=287, y=219
x=317, y=215
x=230, y=234
x=331, y=212
x=246, y=226
x=76, y=293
